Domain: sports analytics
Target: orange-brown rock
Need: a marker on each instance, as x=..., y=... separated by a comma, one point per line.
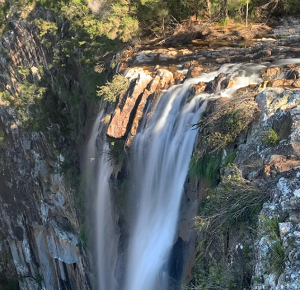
x=280, y=163
x=118, y=126
x=166, y=78
x=188, y=64
x=178, y=78
x=271, y=73
x=141, y=107
x=199, y=88
x=296, y=83
x=280, y=83
x=194, y=71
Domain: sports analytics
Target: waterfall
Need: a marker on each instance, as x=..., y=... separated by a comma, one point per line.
x=99, y=168
x=160, y=156
x=159, y=160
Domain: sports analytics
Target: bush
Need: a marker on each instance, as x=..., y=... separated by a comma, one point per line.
x=270, y=230
x=271, y=138
x=234, y=200
x=2, y=135
x=111, y=91
x=206, y=166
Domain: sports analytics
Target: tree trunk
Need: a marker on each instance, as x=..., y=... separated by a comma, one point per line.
x=208, y=4
x=225, y=9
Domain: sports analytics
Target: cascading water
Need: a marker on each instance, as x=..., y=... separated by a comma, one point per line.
x=159, y=160
x=160, y=156
x=99, y=169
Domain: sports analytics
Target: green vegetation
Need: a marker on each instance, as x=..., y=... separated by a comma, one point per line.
x=234, y=200
x=218, y=130
x=270, y=230
x=112, y=90
x=207, y=166
x=271, y=138
x=117, y=151
x=217, y=276
x=2, y=136
x=39, y=280
x=230, y=209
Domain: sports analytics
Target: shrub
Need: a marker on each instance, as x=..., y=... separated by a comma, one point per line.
x=46, y=27
x=117, y=152
x=270, y=230
x=206, y=166
x=271, y=138
x=112, y=90
x=217, y=276
x=2, y=135
x=234, y=200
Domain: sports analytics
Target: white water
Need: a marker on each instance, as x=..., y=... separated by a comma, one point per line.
x=99, y=169
x=160, y=160
x=160, y=156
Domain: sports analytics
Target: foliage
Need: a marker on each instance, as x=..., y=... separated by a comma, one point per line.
x=270, y=230
x=234, y=200
x=6, y=284
x=206, y=166
x=117, y=151
x=229, y=209
x=217, y=276
x=46, y=27
x=111, y=91
x=39, y=280
x=2, y=136
x=223, y=128
x=229, y=158
x=271, y=138
x=84, y=235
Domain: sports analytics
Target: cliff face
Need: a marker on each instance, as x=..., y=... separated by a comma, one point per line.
x=39, y=225
x=39, y=222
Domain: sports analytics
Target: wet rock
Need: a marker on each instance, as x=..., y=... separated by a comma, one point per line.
x=293, y=74
x=145, y=57
x=296, y=83
x=178, y=78
x=199, y=88
x=194, y=71
x=271, y=73
x=280, y=83
x=166, y=78
x=220, y=82
x=222, y=60
x=188, y=64
x=118, y=126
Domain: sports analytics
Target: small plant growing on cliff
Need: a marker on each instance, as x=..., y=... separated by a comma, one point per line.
x=46, y=27
x=270, y=230
x=112, y=90
x=2, y=136
x=206, y=166
x=234, y=200
x=271, y=138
